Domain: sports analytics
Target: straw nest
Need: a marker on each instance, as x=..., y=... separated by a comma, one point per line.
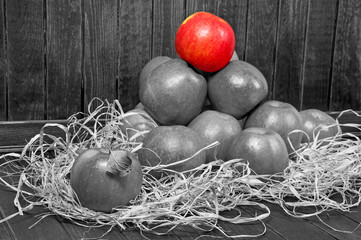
x=317, y=172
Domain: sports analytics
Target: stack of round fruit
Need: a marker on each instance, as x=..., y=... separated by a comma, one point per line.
x=209, y=95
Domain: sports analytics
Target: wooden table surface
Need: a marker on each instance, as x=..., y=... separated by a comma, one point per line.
x=279, y=225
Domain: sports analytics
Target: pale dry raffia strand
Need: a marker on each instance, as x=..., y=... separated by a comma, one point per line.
x=318, y=171
x=324, y=175
x=194, y=199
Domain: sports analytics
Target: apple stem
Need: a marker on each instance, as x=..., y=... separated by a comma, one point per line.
x=120, y=162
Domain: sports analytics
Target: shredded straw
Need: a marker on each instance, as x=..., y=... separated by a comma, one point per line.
x=317, y=173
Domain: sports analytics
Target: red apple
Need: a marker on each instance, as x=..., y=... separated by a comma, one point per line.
x=237, y=88
x=214, y=126
x=280, y=117
x=262, y=148
x=317, y=122
x=173, y=94
x=205, y=41
x=208, y=74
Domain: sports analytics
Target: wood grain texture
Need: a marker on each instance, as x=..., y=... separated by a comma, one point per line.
x=3, y=65
x=339, y=222
x=353, y=215
x=167, y=17
x=235, y=13
x=16, y=134
x=346, y=71
x=25, y=50
x=279, y=222
x=134, y=48
x=100, y=50
x=251, y=228
x=290, y=51
x=211, y=6
x=55, y=56
x=348, y=116
x=64, y=58
x=134, y=234
x=261, y=37
x=321, y=26
x=47, y=229
x=78, y=232
x=6, y=231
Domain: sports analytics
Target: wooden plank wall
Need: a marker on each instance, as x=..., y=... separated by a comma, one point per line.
x=56, y=55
